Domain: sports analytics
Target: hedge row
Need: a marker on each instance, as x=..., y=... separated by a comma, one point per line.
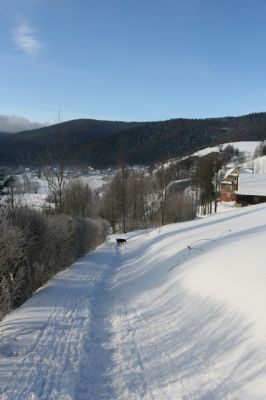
x=33, y=247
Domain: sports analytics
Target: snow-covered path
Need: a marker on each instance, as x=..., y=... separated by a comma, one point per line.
x=56, y=345
x=176, y=314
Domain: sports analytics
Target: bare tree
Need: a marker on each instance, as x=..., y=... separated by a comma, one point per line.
x=122, y=178
x=109, y=207
x=77, y=199
x=180, y=207
x=163, y=179
x=141, y=201
x=206, y=180
x=11, y=191
x=15, y=193
x=57, y=161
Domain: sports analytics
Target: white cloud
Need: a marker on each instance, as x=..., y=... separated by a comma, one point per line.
x=14, y=123
x=25, y=39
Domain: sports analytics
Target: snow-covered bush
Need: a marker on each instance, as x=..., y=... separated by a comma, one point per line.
x=33, y=247
x=97, y=230
x=12, y=260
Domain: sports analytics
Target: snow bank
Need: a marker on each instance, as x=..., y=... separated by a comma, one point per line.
x=195, y=325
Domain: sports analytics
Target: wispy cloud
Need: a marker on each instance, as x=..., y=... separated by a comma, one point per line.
x=25, y=38
x=15, y=123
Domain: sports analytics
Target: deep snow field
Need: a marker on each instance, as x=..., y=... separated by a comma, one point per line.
x=177, y=313
x=246, y=148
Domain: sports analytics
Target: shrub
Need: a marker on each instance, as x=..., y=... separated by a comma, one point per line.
x=33, y=247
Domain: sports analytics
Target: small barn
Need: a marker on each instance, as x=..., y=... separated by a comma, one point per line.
x=229, y=185
x=251, y=189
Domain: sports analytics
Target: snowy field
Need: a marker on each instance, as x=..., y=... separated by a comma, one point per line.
x=247, y=148
x=174, y=314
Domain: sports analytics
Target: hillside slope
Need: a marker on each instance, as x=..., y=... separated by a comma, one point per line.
x=27, y=146
x=100, y=143
x=176, y=313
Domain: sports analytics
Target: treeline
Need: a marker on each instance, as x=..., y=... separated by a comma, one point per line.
x=260, y=150
x=137, y=199
x=202, y=195
x=36, y=245
x=168, y=193
x=98, y=142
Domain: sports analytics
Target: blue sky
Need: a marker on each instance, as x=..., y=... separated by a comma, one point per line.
x=132, y=59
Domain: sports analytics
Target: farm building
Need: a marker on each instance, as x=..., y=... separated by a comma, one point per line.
x=251, y=189
x=229, y=185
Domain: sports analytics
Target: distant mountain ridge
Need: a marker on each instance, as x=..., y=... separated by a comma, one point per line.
x=100, y=143
x=26, y=146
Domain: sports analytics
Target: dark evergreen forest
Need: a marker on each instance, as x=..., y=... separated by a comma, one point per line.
x=101, y=143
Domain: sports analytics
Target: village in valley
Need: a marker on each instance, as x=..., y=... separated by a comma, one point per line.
x=240, y=182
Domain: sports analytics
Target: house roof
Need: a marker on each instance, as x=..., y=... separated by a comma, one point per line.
x=231, y=172
x=252, y=184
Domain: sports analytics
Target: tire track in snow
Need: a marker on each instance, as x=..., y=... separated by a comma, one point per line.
x=67, y=345
x=41, y=369
x=24, y=376
x=95, y=379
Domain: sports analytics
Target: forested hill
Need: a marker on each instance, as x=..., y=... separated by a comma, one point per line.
x=102, y=143
x=27, y=146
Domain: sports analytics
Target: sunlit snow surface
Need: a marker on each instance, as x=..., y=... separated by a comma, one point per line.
x=252, y=184
x=244, y=147
x=176, y=313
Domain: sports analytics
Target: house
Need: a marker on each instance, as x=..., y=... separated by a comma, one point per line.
x=229, y=185
x=243, y=187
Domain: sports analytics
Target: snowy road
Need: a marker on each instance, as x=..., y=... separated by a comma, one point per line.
x=56, y=345
x=151, y=320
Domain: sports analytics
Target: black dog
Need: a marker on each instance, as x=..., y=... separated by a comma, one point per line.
x=120, y=242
